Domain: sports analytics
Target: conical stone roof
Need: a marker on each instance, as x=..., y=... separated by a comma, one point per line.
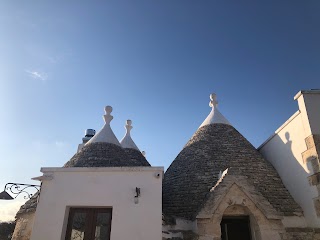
x=213, y=148
x=131, y=148
x=136, y=157
x=126, y=141
x=104, y=150
x=29, y=206
x=101, y=154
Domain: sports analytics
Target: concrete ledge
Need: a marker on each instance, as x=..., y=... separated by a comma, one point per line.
x=312, y=91
x=306, y=229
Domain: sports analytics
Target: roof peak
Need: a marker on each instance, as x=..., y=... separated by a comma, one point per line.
x=126, y=141
x=106, y=134
x=214, y=116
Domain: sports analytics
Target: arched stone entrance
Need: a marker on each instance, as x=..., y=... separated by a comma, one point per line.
x=245, y=222
x=235, y=201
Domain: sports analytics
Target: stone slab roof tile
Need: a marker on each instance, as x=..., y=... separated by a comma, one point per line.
x=136, y=157
x=29, y=206
x=101, y=154
x=214, y=148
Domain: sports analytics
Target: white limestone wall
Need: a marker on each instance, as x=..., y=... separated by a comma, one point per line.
x=284, y=150
x=101, y=187
x=309, y=105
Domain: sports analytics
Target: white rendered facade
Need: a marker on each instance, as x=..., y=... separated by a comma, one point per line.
x=111, y=187
x=294, y=151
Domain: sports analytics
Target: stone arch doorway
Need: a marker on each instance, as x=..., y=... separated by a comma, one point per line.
x=235, y=228
x=238, y=223
x=236, y=198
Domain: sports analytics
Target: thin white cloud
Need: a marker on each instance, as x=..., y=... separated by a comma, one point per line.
x=38, y=145
x=37, y=75
x=61, y=144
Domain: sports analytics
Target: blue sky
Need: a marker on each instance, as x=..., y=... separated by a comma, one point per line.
x=155, y=62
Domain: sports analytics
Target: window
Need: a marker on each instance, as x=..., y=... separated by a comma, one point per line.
x=89, y=224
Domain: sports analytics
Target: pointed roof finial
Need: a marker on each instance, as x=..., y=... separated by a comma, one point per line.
x=215, y=116
x=106, y=134
x=126, y=141
x=213, y=100
x=108, y=117
x=128, y=126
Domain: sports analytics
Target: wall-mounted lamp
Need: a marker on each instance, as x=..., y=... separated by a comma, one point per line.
x=136, y=197
x=16, y=189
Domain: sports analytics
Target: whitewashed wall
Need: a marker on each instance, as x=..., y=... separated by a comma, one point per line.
x=101, y=187
x=284, y=150
x=309, y=105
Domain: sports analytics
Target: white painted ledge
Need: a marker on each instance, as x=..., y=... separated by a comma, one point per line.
x=102, y=169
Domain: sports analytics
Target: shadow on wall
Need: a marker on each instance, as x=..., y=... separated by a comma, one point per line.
x=311, y=162
x=287, y=161
x=294, y=172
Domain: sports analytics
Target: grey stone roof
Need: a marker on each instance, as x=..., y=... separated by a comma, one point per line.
x=30, y=205
x=96, y=155
x=214, y=148
x=137, y=157
x=102, y=154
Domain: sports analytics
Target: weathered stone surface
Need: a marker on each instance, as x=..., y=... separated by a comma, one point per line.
x=30, y=205
x=214, y=148
x=311, y=157
x=236, y=190
x=102, y=154
x=314, y=179
x=232, y=198
x=301, y=234
x=316, y=202
x=184, y=235
x=24, y=226
x=136, y=157
x=312, y=141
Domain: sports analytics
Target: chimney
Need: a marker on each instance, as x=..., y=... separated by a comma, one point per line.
x=89, y=133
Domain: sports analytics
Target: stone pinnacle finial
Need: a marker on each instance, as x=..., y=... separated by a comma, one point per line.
x=106, y=134
x=214, y=116
x=128, y=126
x=126, y=141
x=213, y=100
x=108, y=117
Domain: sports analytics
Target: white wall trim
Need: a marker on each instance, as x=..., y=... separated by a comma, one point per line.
x=280, y=128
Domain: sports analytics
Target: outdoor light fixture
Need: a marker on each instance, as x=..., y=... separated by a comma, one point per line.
x=136, y=197
x=16, y=189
